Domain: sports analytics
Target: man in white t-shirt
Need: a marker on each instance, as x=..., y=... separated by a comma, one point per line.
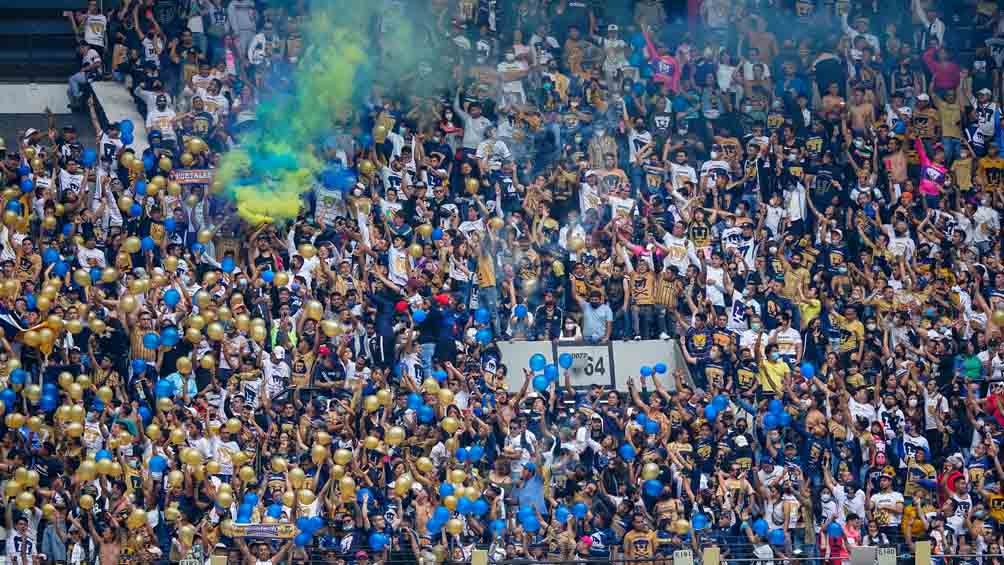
x=161, y=119
x=95, y=26
x=275, y=370
x=512, y=71
x=90, y=67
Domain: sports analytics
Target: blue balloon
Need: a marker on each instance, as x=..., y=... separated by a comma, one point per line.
x=198, y=248
x=653, y=487
x=464, y=506
x=30, y=301
x=771, y=420
x=147, y=244
x=461, y=454
x=268, y=276
x=497, y=526
x=565, y=360
x=720, y=402
x=302, y=539
x=103, y=454
x=67, y=229
x=426, y=414
x=127, y=139
x=627, y=452
x=784, y=419
x=144, y=414
x=251, y=498
x=551, y=372
x=482, y=316
x=775, y=406
x=138, y=366
x=660, y=368
x=440, y=375
x=531, y=524
x=415, y=401
x=537, y=362
x=434, y=526
x=710, y=413
x=151, y=341
x=651, y=427
x=227, y=264
x=646, y=371
x=445, y=489
x=540, y=383
x=520, y=311
x=14, y=206
x=418, y=316
x=49, y=402
x=169, y=337
x=61, y=268
x=126, y=126
x=808, y=370
x=776, y=537
x=172, y=297
x=480, y=507
x=834, y=530
x=89, y=157
x=140, y=188
x=50, y=388
x=484, y=336
x=274, y=511
x=437, y=234
x=701, y=521
x=475, y=453
x=170, y=225
x=50, y=255
x=95, y=274
x=157, y=464
x=378, y=541
x=244, y=512
x=136, y=210
x=562, y=514
x=641, y=419
x=164, y=388
x=9, y=397
x=760, y=527
x=579, y=510
x=363, y=492
x=97, y=405
x=18, y=377
x=23, y=171
x=442, y=513
x=27, y=185
x=149, y=163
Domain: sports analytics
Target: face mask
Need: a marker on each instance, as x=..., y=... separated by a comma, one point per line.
x=714, y=155
x=599, y=132
x=825, y=497
x=913, y=402
x=242, y=282
x=871, y=327
x=755, y=326
x=510, y=57
x=357, y=192
x=775, y=356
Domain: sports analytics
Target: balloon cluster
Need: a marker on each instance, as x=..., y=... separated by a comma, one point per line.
x=776, y=416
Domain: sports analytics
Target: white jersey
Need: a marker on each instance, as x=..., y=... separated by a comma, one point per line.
x=109, y=147
x=681, y=174
x=69, y=182
x=95, y=26
x=985, y=117
x=161, y=120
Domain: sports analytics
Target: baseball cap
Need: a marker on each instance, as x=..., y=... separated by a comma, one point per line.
x=279, y=351
x=923, y=96
x=30, y=132
x=981, y=91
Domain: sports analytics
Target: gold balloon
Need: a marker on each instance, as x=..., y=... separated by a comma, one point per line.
x=318, y=454
x=496, y=223
x=224, y=313
x=76, y=413
x=43, y=303
x=32, y=392
x=450, y=424
x=54, y=322
x=297, y=477
x=314, y=310
x=30, y=152
x=682, y=526
x=12, y=488
x=558, y=268
x=445, y=396
x=106, y=394
x=125, y=203
x=183, y=365
x=454, y=526
x=31, y=338
x=74, y=326
x=323, y=438
x=424, y=464
x=385, y=396
x=10, y=287
x=128, y=303
x=998, y=317
x=450, y=502
x=247, y=474
x=370, y=403
x=197, y=321
x=224, y=499
x=165, y=164
x=472, y=185
x=650, y=471
x=258, y=334
x=203, y=299
x=288, y=498
x=153, y=432
x=10, y=218
x=576, y=244
x=21, y=475
x=279, y=465
x=25, y=500
x=205, y=235
x=187, y=159
x=187, y=534
x=177, y=436
x=403, y=484
x=431, y=385
x=281, y=279
x=49, y=222
x=170, y=263
x=171, y=513
x=330, y=328
x=174, y=188
x=347, y=484
x=137, y=166
x=191, y=456
x=104, y=466
x=48, y=510
x=210, y=279
x=86, y=502
x=97, y=326
x=395, y=436
x=207, y=362
x=76, y=391
x=343, y=456
x=132, y=244
x=366, y=167
x=424, y=230
x=415, y=250
x=233, y=425
x=307, y=250
x=243, y=322
x=213, y=467
x=215, y=331
x=87, y=470
x=457, y=476
x=371, y=442
x=337, y=472
x=84, y=381
x=109, y=274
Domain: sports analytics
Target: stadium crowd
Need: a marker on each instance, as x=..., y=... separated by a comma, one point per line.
x=804, y=198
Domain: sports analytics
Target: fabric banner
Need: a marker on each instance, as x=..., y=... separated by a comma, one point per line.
x=194, y=176
x=276, y=531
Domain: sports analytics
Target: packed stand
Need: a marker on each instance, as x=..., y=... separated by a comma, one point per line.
x=805, y=200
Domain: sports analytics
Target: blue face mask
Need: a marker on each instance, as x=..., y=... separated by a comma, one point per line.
x=775, y=356
x=294, y=287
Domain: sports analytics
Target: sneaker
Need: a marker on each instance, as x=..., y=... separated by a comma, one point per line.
x=664, y=336
x=637, y=338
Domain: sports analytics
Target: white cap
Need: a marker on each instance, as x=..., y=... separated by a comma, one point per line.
x=923, y=96
x=906, y=111
x=30, y=132
x=986, y=91
x=279, y=351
